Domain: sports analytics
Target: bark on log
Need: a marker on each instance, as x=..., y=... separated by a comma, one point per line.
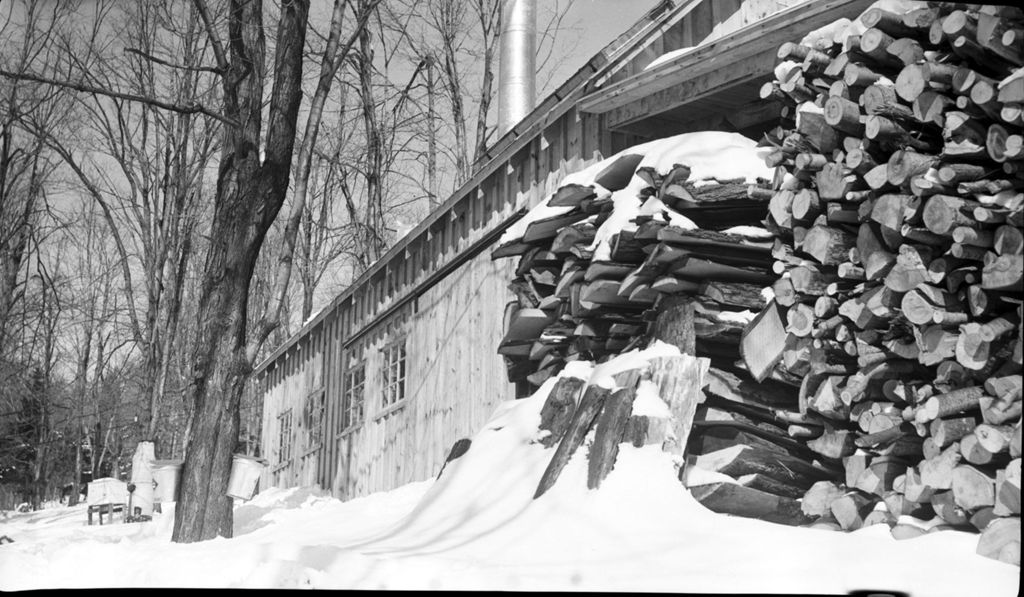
x=558, y=409
x=582, y=420
x=611, y=425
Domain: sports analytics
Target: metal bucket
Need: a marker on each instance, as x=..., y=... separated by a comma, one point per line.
x=142, y=477
x=245, y=474
x=166, y=476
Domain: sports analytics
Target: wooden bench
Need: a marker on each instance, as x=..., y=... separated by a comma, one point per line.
x=109, y=509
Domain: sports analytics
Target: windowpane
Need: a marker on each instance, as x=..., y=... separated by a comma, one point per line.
x=352, y=400
x=314, y=414
x=284, y=438
x=393, y=373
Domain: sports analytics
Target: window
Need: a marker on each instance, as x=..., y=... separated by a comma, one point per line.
x=284, y=436
x=393, y=373
x=313, y=419
x=352, y=399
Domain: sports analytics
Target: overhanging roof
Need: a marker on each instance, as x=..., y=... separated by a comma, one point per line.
x=727, y=71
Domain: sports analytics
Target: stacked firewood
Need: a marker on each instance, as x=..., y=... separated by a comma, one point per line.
x=571, y=305
x=897, y=214
x=701, y=251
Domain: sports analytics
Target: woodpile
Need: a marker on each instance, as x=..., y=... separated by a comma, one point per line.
x=695, y=288
x=897, y=216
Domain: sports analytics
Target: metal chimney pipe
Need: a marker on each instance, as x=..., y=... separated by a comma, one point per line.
x=517, y=64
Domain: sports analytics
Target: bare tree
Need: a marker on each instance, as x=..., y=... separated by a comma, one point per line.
x=153, y=205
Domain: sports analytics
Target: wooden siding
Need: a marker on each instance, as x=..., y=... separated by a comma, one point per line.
x=439, y=290
x=451, y=387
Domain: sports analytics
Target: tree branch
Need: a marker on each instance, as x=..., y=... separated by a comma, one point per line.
x=218, y=47
x=151, y=58
x=192, y=108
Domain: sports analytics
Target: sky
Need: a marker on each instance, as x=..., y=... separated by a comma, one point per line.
x=598, y=23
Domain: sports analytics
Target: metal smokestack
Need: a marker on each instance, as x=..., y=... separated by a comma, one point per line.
x=517, y=64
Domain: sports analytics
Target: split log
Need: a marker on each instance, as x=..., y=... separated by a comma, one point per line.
x=558, y=409
x=611, y=425
x=972, y=488
x=735, y=499
x=582, y=420
x=1001, y=541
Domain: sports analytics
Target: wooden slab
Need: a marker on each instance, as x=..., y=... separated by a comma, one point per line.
x=571, y=195
x=735, y=499
x=548, y=228
x=764, y=341
x=616, y=176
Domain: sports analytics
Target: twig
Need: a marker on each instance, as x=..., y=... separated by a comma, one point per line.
x=151, y=58
x=192, y=108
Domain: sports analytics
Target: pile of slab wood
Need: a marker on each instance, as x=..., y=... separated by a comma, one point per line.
x=573, y=306
x=897, y=215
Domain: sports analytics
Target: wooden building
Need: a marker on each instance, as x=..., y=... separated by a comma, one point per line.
x=372, y=392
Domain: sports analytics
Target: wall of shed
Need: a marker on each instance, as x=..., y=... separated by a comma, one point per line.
x=453, y=384
x=453, y=327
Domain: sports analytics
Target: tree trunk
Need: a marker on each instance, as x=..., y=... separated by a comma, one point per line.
x=250, y=193
x=204, y=510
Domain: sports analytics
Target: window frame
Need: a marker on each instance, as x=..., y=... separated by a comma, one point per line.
x=347, y=422
x=285, y=430
x=393, y=374
x=314, y=436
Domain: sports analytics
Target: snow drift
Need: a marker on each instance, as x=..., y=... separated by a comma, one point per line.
x=477, y=527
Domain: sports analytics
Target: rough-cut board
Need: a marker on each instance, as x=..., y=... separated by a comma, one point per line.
x=571, y=195
x=547, y=228
x=679, y=381
x=736, y=499
x=764, y=341
x=705, y=269
x=527, y=324
x=558, y=409
x=616, y=176
x=511, y=248
x=582, y=420
x=744, y=460
x=675, y=323
x=611, y=426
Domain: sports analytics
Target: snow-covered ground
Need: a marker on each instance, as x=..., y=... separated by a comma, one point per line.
x=477, y=527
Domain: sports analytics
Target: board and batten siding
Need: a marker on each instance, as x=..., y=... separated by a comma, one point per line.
x=290, y=426
x=451, y=322
x=438, y=291
x=452, y=385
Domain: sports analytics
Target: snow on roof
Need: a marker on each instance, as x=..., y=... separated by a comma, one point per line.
x=669, y=56
x=478, y=527
x=840, y=29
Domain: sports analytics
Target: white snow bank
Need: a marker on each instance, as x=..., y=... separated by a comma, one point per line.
x=478, y=527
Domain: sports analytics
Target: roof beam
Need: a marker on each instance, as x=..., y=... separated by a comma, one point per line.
x=724, y=76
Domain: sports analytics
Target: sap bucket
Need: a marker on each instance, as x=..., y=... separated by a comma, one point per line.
x=166, y=479
x=245, y=474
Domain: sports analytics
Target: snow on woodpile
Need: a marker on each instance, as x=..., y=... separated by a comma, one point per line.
x=680, y=215
x=711, y=156
x=479, y=527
